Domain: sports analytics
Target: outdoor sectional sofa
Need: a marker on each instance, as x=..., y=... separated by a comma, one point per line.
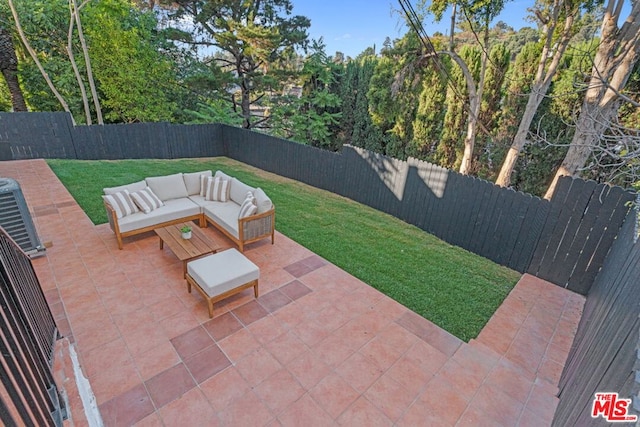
x=243, y=213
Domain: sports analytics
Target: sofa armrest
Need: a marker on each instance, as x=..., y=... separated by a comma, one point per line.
x=113, y=223
x=257, y=226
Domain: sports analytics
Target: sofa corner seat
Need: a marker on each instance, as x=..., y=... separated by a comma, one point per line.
x=182, y=202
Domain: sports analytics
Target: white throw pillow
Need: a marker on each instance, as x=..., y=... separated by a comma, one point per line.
x=168, y=187
x=146, y=200
x=217, y=189
x=193, y=181
x=248, y=206
x=121, y=203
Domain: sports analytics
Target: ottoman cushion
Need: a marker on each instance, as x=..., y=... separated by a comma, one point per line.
x=223, y=271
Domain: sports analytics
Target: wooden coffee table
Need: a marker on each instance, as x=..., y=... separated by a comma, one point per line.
x=186, y=249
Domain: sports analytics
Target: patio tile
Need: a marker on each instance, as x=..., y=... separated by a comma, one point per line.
x=224, y=387
x=266, y=329
x=311, y=332
x=295, y=290
x=305, y=412
x=390, y=397
x=245, y=410
x=334, y=395
x=359, y=371
x=206, y=363
x=250, y=312
x=427, y=331
x=169, y=385
x=113, y=380
x=239, y=344
x=364, y=413
x=286, y=347
x=443, y=400
x=222, y=326
x=279, y=391
x=128, y=408
x=308, y=369
x=493, y=404
x=409, y=375
x=191, y=409
x=156, y=360
x=274, y=300
x=144, y=338
x=191, y=342
x=258, y=366
x=178, y=324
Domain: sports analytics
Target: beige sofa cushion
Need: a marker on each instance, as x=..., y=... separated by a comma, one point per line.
x=135, y=186
x=262, y=200
x=168, y=187
x=239, y=191
x=192, y=181
x=223, y=214
x=172, y=210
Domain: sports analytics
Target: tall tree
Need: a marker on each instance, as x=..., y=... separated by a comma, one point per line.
x=477, y=14
x=9, y=68
x=614, y=62
x=253, y=32
x=557, y=18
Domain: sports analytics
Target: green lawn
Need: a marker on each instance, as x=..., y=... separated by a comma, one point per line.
x=455, y=289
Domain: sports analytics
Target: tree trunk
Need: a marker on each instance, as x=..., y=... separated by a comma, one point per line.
x=539, y=88
x=87, y=60
x=9, y=67
x=535, y=98
x=245, y=104
x=76, y=72
x=615, y=59
x=475, y=104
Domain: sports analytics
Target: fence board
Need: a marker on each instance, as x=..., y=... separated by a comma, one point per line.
x=582, y=278
x=563, y=235
x=551, y=220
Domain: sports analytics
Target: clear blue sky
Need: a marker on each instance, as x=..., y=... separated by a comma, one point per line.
x=350, y=26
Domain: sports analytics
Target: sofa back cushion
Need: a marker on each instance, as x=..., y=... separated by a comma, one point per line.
x=136, y=186
x=238, y=191
x=223, y=175
x=262, y=200
x=168, y=187
x=192, y=181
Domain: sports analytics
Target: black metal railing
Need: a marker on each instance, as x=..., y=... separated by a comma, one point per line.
x=28, y=394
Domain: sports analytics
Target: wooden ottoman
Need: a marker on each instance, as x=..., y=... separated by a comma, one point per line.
x=221, y=275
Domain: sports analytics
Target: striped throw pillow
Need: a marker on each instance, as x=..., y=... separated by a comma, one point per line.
x=248, y=207
x=218, y=189
x=204, y=183
x=121, y=203
x=146, y=200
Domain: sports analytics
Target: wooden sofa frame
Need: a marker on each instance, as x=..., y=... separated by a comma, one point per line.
x=250, y=229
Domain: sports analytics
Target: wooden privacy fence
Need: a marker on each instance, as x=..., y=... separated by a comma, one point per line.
x=53, y=136
x=564, y=240
x=604, y=355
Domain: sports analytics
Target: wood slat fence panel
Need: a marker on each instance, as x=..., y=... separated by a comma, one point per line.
x=603, y=356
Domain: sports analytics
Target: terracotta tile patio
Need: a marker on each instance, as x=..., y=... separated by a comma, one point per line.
x=319, y=347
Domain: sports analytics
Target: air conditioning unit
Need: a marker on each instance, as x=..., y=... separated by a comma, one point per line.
x=16, y=219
